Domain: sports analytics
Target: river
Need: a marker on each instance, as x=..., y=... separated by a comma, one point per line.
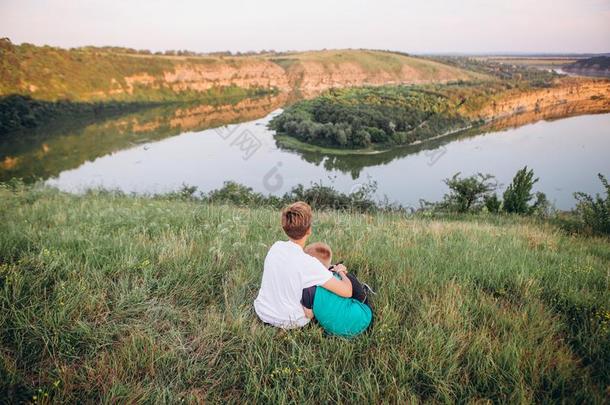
x=163, y=149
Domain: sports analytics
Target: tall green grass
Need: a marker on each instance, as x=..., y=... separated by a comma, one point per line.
x=109, y=298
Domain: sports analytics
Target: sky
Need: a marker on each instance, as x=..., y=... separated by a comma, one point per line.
x=416, y=26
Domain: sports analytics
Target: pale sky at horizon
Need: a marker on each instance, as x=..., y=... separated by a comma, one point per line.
x=417, y=26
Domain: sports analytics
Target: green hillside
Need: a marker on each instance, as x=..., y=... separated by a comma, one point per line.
x=103, y=74
x=108, y=298
x=88, y=74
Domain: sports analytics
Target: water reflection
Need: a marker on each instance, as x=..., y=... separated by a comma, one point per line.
x=47, y=151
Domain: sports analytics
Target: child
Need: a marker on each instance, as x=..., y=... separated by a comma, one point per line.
x=337, y=315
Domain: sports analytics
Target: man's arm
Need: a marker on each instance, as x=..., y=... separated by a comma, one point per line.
x=341, y=287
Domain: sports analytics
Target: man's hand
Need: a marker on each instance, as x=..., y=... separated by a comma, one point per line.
x=341, y=287
x=341, y=270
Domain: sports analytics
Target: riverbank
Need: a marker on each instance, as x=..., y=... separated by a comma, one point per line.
x=289, y=142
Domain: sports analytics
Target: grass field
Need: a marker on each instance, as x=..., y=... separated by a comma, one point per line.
x=109, y=298
x=374, y=61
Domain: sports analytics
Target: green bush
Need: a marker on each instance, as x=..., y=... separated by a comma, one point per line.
x=320, y=197
x=324, y=197
x=594, y=213
x=377, y=135
x=467, y=194
x=492, y=203
x=519, y=193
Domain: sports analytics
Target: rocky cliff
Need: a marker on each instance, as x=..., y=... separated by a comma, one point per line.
x=586, y=95
x=47, y=73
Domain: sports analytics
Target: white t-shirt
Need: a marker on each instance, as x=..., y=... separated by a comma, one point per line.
x=288, y=270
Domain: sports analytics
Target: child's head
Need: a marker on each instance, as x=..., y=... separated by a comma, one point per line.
x=296, y=220
x=320, y=251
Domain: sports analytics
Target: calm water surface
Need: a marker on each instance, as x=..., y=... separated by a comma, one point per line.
x=565, y=154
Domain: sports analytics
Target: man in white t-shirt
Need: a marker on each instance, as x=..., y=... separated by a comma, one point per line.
x=288, y=270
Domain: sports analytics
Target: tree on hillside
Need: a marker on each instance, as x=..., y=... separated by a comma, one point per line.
x=594, y=212
x=467, y=194
x=518, y=195
x=492, y=203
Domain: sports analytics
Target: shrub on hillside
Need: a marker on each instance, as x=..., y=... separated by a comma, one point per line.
x=325, y=197
x=594, y=212
x=19, y=112
x=238, y=194
x=317, y=195
x=492, y=203
x=467, y=194
x=518, y=195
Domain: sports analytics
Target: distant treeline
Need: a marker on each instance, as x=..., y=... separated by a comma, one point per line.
x=596, y=66
x=531, y=75
x=597, y=62
x=180, y=52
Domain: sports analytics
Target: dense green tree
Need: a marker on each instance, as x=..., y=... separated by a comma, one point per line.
x=467, y=194
x=594, y=212
x=362, y=138
x=492, y=203
x=518, y=194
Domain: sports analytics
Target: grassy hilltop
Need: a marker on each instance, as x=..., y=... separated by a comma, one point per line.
x=117, y=74
x=109, y=298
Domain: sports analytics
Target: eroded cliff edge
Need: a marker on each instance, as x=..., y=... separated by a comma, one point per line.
x=569, y=95
x=47, y=73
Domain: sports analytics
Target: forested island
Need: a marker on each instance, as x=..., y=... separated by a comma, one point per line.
x=378, y=118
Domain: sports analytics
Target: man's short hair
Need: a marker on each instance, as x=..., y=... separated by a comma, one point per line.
x=296, y=220
x=320, y=251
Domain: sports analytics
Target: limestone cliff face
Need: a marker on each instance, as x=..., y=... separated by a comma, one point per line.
x=311, y=78
x=587, y=95
x=558, y=111
x=307, y=78
x=195, y=77
x=201, y=77
x=51, y=74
